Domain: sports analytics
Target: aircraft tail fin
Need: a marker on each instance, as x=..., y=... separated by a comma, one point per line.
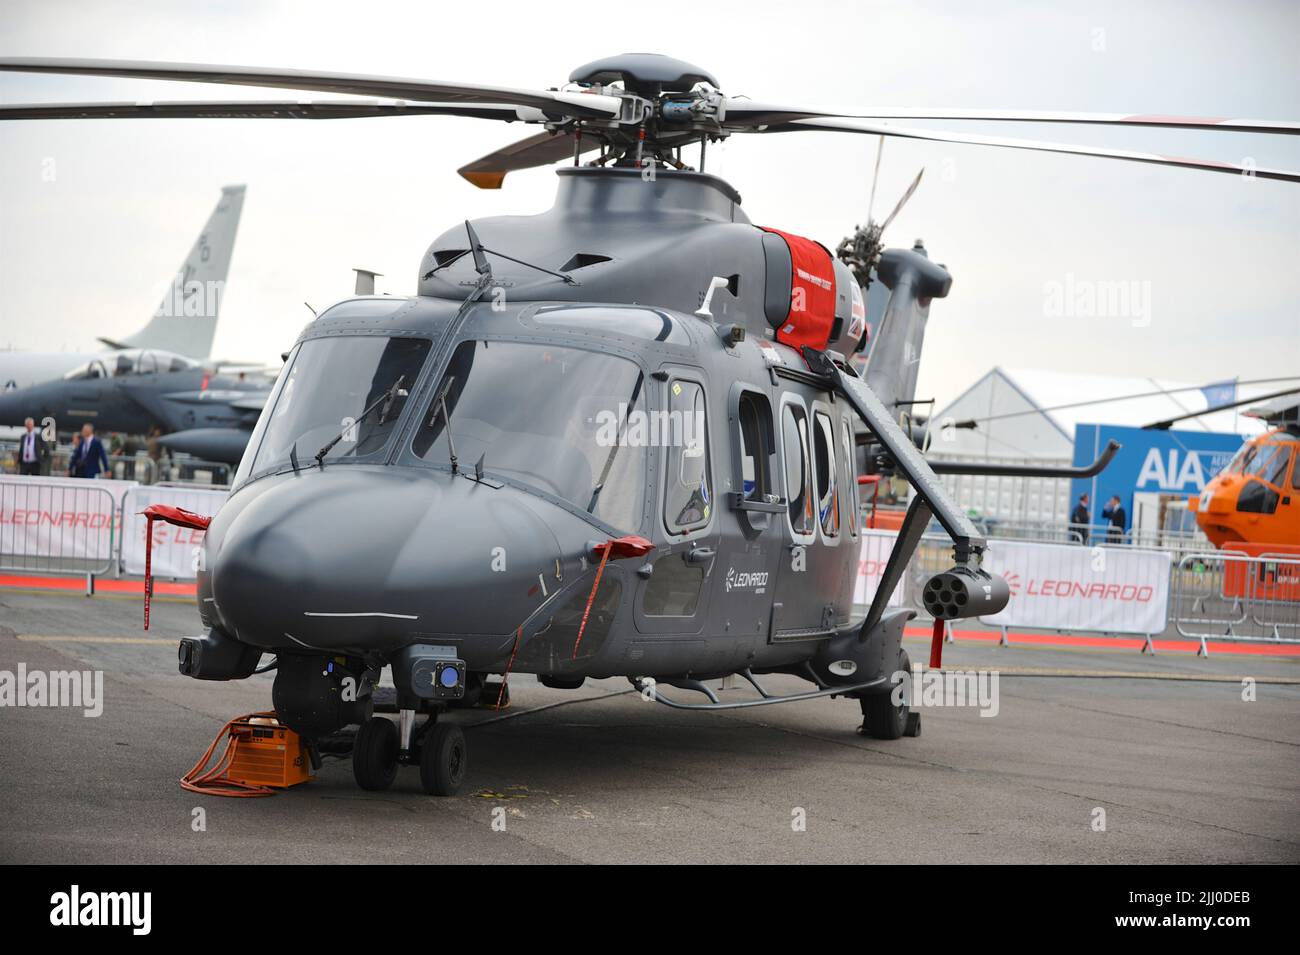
x=912, y=281
x=185, y=321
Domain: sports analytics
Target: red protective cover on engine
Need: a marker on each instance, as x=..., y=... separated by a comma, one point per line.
x=812, y=293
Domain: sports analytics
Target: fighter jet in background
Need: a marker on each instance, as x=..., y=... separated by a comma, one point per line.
x=143, y=392
x=184, y=323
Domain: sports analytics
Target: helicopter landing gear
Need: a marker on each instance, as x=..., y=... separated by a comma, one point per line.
x=443, y=759
x=437, y=748
x=882, y=718
x=374, y=754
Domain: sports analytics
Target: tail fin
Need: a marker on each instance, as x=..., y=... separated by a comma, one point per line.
x=186, y=319
x=912, y=280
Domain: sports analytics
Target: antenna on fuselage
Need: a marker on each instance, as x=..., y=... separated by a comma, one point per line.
x=481, y=265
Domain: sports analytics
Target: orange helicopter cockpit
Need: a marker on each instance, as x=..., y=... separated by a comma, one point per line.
x=1256, y=498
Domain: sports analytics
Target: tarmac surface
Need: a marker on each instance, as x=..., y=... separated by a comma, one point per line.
x=1184, y=768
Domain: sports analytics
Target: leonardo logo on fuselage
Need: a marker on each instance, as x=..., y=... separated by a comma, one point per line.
x=755, y=580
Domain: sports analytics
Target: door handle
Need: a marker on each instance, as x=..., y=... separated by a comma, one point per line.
x=700, y=555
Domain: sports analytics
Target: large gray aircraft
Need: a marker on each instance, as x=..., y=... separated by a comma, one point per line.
x=184, y=322
x=612, y=439
x=142, y=392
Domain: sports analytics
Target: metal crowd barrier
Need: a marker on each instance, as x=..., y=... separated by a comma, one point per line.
x=58, y=528
x=1232, y=596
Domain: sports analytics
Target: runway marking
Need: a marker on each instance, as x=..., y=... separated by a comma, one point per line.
x=98, y=596
x=148, y=641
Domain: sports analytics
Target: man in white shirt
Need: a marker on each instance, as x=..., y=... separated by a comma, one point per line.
x=31, y=449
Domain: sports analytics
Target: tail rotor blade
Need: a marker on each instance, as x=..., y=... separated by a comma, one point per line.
x=903, y=201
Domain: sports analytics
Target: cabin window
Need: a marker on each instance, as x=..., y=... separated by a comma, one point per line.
x=673, y=590
x=1257, y=498
x=848, y=462
x=754, y=419
x=688, y=492
x=828, y=505
x=798, y=477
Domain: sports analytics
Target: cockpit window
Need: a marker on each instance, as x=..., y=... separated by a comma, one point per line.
x=131, y=361
x=560, y=420
x=324, y=392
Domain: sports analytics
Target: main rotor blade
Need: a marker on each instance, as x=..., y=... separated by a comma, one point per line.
x=539, y=150
x=256, y=109
x=1165, y=424
x=901, y=132
x=747, y=112
x=555, y=103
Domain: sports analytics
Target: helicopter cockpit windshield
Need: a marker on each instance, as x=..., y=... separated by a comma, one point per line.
x=130, y=361
x=321, y=399
x=552, y=418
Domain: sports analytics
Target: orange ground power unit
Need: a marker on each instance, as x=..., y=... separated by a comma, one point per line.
x=266, y=753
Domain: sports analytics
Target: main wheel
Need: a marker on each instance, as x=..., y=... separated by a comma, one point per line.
x=443, y=760
x=374, y=754
x=881, y=719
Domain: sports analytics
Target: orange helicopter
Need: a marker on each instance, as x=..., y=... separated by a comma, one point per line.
x=1253, y=505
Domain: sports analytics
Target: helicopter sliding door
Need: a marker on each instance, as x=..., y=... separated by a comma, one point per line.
x=674, y=598
x=751, y=535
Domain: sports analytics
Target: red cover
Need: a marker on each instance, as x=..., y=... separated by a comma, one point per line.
x=812, y=279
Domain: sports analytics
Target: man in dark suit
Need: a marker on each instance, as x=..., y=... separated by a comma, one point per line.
x=1080, y=518
x=93, y=459
x=1114, y=512
x=33, y=452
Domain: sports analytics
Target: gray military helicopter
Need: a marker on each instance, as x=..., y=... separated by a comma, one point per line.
x=618, y=438
x=135, y=391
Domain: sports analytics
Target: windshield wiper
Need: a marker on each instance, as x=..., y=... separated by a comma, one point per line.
x=386, y=400
x=613, y=452
x=441, y=405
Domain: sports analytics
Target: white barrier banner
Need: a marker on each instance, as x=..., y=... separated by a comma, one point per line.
x=1069, y=587
x=175, y=549
x=876, y=548
x=58, y=518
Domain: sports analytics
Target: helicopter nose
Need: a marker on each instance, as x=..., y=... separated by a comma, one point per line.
x=357, y=558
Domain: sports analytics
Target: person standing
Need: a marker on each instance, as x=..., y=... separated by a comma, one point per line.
x=32, y=450
x=1080, y=518
x=1114, y=513
x=93, y=459
x=74, y=459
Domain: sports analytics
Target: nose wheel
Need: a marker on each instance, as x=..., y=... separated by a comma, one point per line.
x=440, y=751
x=374, y=754
x=443, y=759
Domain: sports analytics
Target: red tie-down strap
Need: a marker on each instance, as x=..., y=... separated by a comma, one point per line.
x=616, y=549
x=172, y=515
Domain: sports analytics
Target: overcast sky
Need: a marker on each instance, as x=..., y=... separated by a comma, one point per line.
x=1218, y=256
